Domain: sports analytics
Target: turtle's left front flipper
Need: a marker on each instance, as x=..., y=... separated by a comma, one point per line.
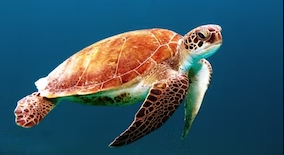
x=200, y=77
x=163, y=99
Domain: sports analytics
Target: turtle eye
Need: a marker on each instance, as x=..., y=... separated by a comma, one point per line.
x=203, y=34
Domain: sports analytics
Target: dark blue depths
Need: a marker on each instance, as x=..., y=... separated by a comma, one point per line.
x=242, y=110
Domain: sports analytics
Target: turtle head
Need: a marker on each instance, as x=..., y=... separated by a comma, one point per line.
x=199, y=43
x=202, y=41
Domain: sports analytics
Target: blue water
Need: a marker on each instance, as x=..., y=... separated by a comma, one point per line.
x=242, y=112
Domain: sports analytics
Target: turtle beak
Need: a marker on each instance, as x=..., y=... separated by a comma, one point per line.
x=216, y=37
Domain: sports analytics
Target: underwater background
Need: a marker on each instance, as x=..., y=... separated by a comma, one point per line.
x=242, y=112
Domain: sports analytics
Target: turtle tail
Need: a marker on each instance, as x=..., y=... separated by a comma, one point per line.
x=32, y=109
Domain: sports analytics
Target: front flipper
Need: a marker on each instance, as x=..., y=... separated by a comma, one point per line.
x=163, y=99
x=200, y=77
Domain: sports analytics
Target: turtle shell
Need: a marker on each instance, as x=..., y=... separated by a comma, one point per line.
x=110, y=63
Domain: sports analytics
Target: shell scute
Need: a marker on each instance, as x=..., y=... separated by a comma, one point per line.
x=145, y=66
x=162, y=53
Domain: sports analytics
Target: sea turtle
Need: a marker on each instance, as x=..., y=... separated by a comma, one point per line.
x=156, y=66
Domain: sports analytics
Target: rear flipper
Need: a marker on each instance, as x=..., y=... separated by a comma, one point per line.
x=32, y=109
